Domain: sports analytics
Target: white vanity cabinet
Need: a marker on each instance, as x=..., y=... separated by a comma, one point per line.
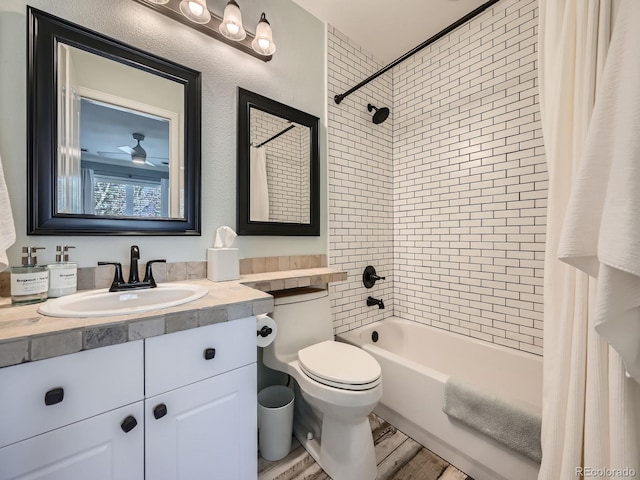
x=74, y=417
x=181, y=406
x=200, y=406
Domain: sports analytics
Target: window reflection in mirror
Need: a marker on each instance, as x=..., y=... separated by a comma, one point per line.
x=280, y=169
x=120, y=140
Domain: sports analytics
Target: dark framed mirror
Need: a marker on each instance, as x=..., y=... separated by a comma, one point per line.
x=113, y=136
x=278, y=168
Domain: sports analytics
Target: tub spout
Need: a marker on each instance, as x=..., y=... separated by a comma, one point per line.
x=374, y=301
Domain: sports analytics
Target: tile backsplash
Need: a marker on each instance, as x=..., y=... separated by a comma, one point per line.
x=102, y=276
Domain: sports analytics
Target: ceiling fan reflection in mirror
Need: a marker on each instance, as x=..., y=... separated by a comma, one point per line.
x=137, y=153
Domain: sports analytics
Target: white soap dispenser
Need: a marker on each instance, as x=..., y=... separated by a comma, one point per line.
x=30, y=281
x=63, y=275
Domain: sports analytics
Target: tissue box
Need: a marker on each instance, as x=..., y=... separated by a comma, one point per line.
x=222, y=264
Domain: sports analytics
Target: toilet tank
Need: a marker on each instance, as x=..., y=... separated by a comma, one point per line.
x=303, y=319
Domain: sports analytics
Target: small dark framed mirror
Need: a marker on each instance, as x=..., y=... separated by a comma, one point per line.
x=113, y=136
x=278, y=168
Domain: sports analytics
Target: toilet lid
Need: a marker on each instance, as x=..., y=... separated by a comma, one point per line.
x=340, y=365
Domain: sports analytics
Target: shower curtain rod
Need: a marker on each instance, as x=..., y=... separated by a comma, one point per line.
x=276, y=136
x=426, y=43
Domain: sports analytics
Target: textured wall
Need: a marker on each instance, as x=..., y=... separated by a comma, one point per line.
x=295, y=77
x=360, y=184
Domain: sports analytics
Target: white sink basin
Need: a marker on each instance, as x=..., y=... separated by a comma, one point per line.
x=102, y=303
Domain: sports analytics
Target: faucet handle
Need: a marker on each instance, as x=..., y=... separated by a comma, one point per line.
x=117, y=278
x=370, y=277
x=148, y=272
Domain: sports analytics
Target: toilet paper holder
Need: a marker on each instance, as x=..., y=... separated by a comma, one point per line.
x=264, y=331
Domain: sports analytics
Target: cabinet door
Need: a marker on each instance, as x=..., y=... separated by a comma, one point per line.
x=206, y=430
x=97, y=448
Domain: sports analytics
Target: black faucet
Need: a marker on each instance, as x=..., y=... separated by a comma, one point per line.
x=133, y=265
x=119, y=285
x=374, y=301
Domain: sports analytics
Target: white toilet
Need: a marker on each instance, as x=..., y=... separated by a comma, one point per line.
x=337, y=385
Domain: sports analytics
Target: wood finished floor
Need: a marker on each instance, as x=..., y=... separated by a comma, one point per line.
x=399, y=458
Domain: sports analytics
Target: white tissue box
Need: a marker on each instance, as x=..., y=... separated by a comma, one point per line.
x=222, y=264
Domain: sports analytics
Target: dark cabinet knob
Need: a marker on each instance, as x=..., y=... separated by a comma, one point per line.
x=53, y=396
x=209, y=353
x=128, y=424
x=160, y=411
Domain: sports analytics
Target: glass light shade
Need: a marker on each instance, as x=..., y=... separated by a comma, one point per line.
x=231, y=26
x=263, y=42
x=195, y=10
x=158, y=2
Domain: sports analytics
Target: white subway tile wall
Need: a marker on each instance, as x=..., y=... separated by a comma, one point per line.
x=360, y=184
x=467, y=177
x=470, y=181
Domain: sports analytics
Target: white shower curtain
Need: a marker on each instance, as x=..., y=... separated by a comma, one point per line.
x=88, y=192
x=589, y=419
x=259, y=189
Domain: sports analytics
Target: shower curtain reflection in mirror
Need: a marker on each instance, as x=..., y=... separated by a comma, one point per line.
x=259, y=194
x=280, y=169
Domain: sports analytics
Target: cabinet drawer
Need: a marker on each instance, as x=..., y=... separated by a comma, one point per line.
x=186, y=357
x=76, y=386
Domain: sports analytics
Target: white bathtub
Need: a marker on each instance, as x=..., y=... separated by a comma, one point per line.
x=416, y=361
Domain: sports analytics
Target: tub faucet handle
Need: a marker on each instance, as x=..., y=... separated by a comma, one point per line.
x=370, y=277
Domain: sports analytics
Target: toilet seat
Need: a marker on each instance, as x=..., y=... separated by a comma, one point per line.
x=340, y=365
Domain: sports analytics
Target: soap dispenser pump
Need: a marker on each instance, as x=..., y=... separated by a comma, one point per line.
x=63, y=274
x=30, y=281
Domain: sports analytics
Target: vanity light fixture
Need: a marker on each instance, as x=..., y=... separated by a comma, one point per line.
x=231, y=26
x=195, y=10
x=228, y=29
x=263, y=43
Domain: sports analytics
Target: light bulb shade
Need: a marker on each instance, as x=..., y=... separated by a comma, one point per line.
x=231, y=26
x=158, y=2
x=195, y=10
x=263, y=43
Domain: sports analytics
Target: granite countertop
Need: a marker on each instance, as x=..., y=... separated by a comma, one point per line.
x=26, y=335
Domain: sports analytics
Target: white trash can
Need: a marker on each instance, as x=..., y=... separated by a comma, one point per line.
x=275, y=421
